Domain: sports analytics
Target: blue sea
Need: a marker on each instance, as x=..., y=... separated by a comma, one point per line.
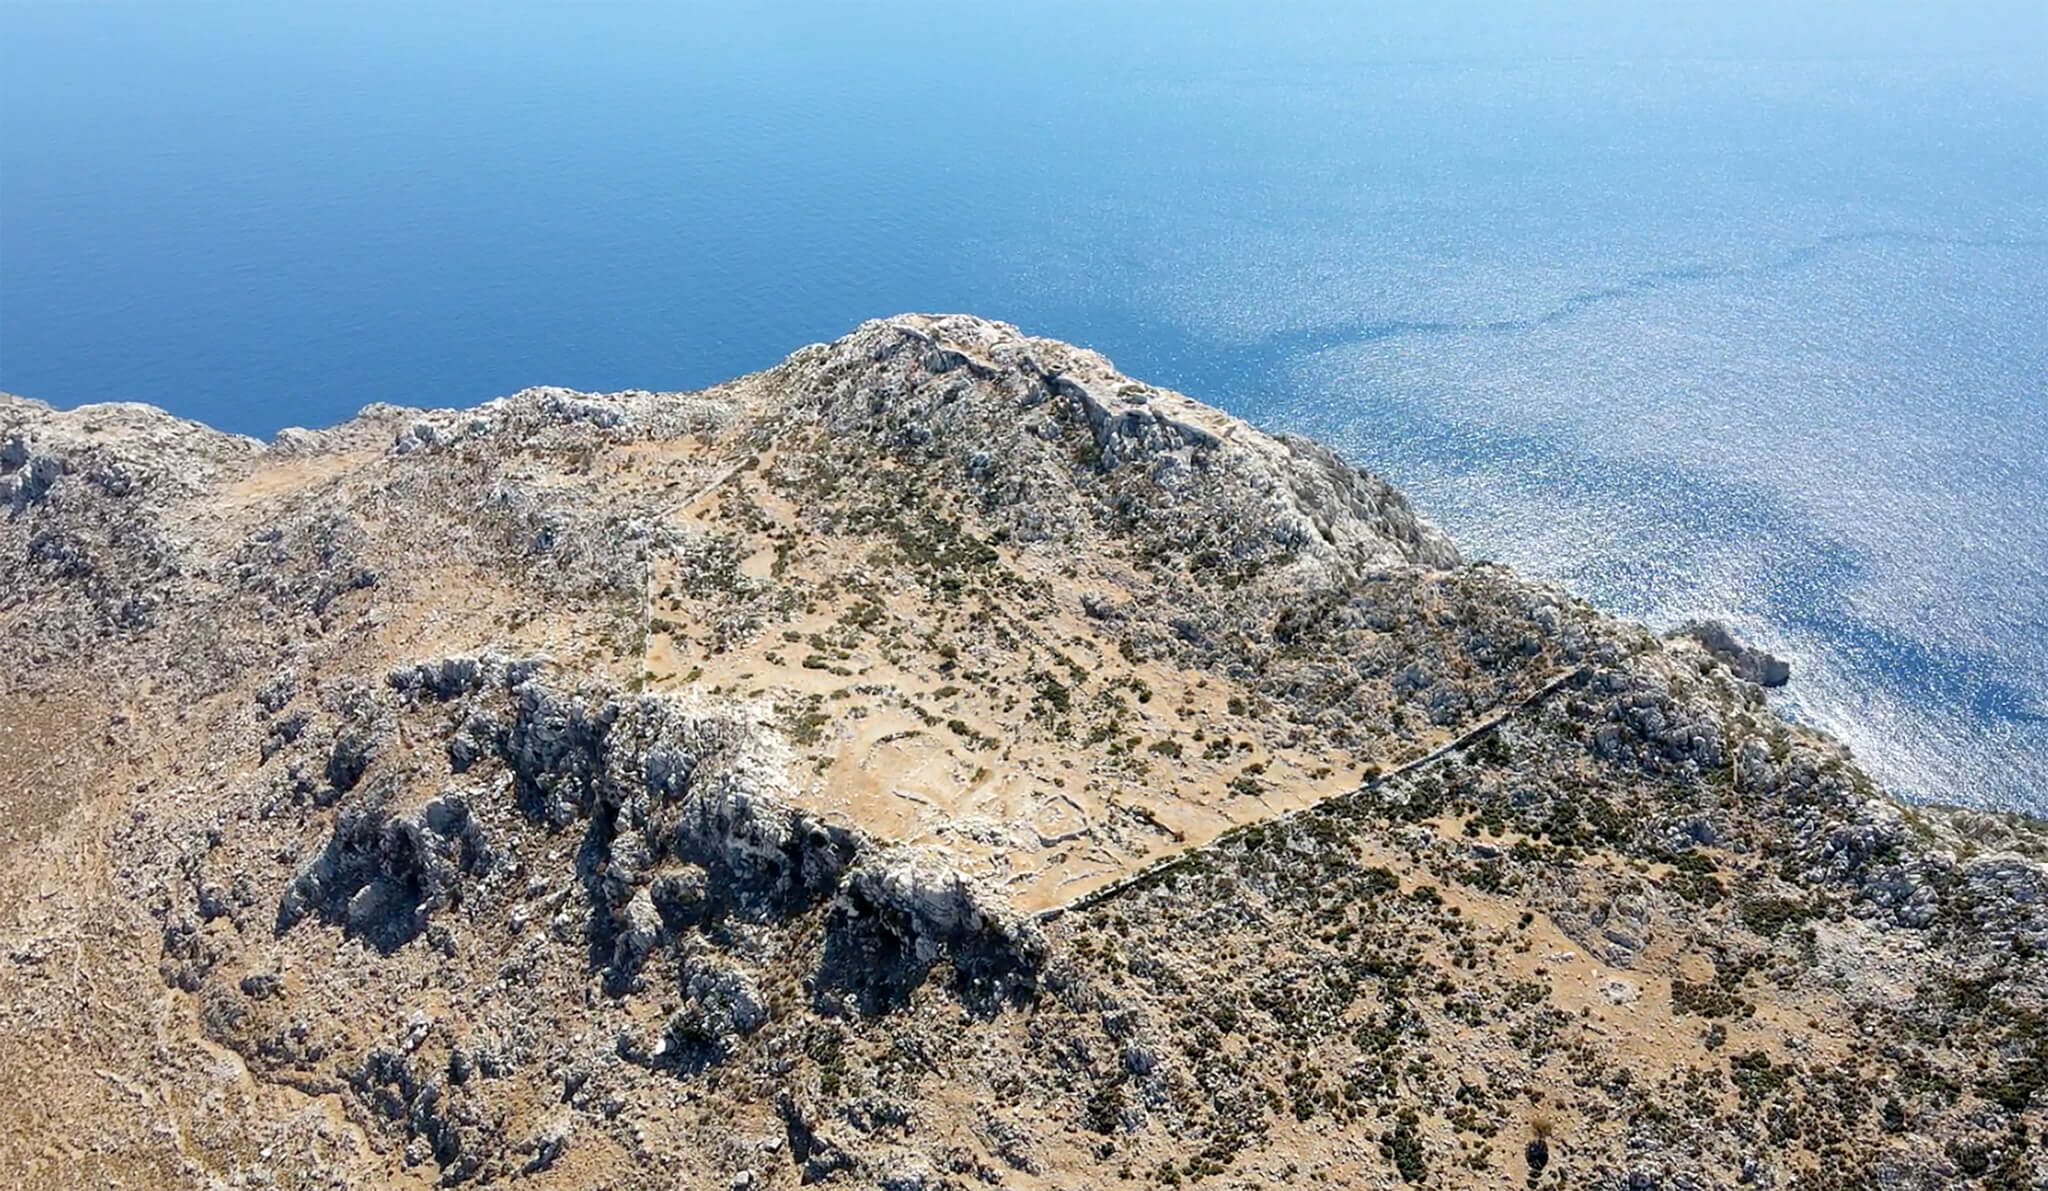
x=1733, y=310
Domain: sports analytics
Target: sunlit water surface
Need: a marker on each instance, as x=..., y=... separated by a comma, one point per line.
x=1740, y=314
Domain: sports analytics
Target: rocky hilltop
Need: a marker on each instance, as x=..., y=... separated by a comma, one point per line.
x=938, y=761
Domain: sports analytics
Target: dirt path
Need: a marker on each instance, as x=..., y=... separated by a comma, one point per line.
x=1500, y=716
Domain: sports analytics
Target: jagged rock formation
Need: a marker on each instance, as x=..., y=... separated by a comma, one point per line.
x=1749, y=663
x=936, y=762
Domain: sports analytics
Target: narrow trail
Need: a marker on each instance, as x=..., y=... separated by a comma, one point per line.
x=1493, y=721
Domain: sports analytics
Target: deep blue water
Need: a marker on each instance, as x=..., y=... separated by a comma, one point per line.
x=1741, y=312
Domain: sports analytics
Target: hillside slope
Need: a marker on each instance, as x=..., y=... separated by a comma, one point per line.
x=938, y=761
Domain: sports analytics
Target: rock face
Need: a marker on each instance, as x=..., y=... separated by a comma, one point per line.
x=1753, y=665
x=938, y=761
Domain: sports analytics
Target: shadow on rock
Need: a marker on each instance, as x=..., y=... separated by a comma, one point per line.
x=899, y=915
x=381, y=877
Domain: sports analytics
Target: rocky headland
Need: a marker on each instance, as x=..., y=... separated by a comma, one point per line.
x=938, y=761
